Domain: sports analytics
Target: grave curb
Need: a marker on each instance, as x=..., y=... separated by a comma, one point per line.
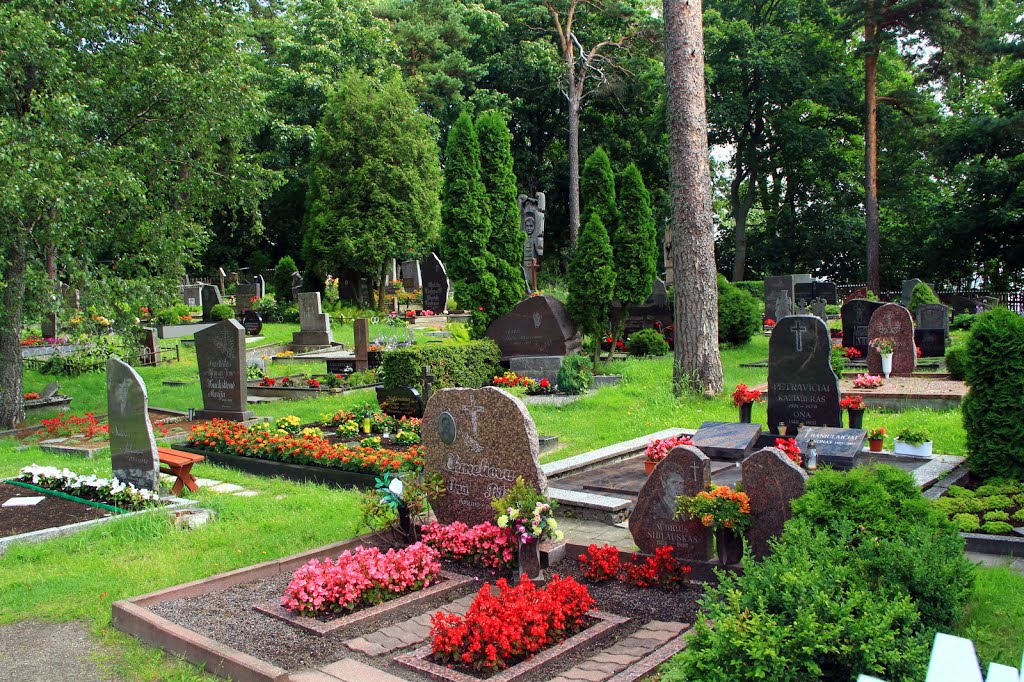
x=301, y=473
x=993, y=544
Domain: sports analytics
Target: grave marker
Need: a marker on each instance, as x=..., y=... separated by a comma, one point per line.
x=150, y=354
x=314, y=323
x=893, y=321
x=835, y=447
x=531, y=222
x=907, y=290
x=191, y=294
x=802, y=388
x=400, y=402
x=49, y=390
x=209, y=296
x=685, y=471
x=133, y=455
x=856, y=316
x=220, y=351
x=411, y=278
x=771, y=481
x=538, y=325
x=435, y=284
x=726, y=440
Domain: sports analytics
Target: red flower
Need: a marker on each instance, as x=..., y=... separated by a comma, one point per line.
x=544, y=383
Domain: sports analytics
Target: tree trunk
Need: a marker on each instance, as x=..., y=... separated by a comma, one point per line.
x=11, y=412
x=741, y=205
x=871, y=159
x=574, y=159
x=698, y=365
x=382, y=285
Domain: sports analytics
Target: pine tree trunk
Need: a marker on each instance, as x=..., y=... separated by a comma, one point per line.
x=11, y=412
x=574, y=159
x=698, y=365
x=871, y=161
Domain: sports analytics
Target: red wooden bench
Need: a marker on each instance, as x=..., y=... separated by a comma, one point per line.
x=178, y=463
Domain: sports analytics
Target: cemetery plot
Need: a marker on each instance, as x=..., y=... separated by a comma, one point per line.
x=88, y=434
x=902, y=393
x=24, y=511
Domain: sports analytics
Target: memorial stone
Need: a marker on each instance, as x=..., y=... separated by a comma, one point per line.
x=400, y=402
x=479, y=440
x=49, y=390
x=411, y=278
x=818, y=310
x=726, y=440
x=685, y=471
x=191, y=294
x=802, y=388
x=538, y=325
x=775, y=289
x=133, y=455
x=835, y=447
x=246, y=293
x=808, y=291
x=931, y=342
x=933, y=316
x=893, y=321
x=856, y=315
x=531, y=222
x=252, y=322
x=150, y=354
x=220, y=351
x=296, y=285
x=771, y=481
x=907, y=290
x=210, y=296
x=783, y=306
x=435, y=284
x=314, y=323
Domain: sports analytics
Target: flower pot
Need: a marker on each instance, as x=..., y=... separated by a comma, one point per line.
x=529, y=561
x=875, y=444
x=922, y=450
x=856, y=419
x=745, y=410
x=729, y=546
x=886, y=364
x=649, y=466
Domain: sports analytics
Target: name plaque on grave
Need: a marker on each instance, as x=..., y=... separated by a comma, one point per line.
x=835, y=447
x=400, y=402
x=252, y=322
x=726, y=440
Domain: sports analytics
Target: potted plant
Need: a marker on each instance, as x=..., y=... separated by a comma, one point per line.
x=659, y=448
x=912, y=441
x=867, y=381
x=885, y=347
x=724, y=511
x=531, y=517
x=876, y=437
x=854, y=405
x=744, y=398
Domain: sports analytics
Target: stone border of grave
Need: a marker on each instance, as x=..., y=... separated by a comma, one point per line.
x=177, y=331
x=300, y=473
x=1003, y=545
x=133, y=616
x=60, y=531
x=605, y=626
x=42, y=403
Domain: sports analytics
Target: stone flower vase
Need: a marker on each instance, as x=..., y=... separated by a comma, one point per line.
x=729, y=546
x=528, y=561
x=886, y=364
x=745, y=410
x=856, y=419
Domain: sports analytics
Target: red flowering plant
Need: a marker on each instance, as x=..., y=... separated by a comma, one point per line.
x=717, y=507
x=852, y=353
x=745, y=396
x=31, y=396
x=659, y=448
x=485, y=544
x=917, y=350
x=600, y=563
x=313, y=383
x=542, y=387
x=68, y=425
x=661, y=570
x=518, y=622
x=268, y=381
x=852, y=402
x=511, y=379
x=769, y=322
x=790, y=449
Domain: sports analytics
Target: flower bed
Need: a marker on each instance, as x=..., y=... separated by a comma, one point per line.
x=662, y=570
x=111, y=492
x=994, y=508
x=484, y=544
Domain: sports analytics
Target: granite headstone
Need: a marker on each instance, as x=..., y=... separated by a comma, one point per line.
x=685, y=471
x=933, y=316
x=726, y=440
x=907, y=290
x=49, y=390
x=808, y=291
x=191, y=294
x=435, y=284
x=252, y=322
x=220, y=351
x=209, y=296
x=856, y=315
x=538, y=325
x=400, y=402
x=802, y=388
x=777, y=289
x=893, y=321
x=133, y=455
x=835, y=447
x=479, y=440
x=411, y=275
x=314, y=323
x=771, y=481
x=931, y=342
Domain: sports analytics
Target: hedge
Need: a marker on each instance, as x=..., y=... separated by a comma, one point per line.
x=468, y=365
x=753, y=287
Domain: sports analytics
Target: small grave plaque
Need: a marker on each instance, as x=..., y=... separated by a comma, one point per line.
x=435, y=284
x=856, y=316
x=726, y=440
x=252, y=323
x=893, y=321
x=400, y=402
x=49, y=390
x=771, y=481
x=802, y=388
x=686, y=471
x=538, y=325
x=835, y=447
x=133, y=455
x=191, y=293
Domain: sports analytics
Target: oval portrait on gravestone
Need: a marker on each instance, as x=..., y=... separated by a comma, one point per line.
x=446, y=427
x=252, y=322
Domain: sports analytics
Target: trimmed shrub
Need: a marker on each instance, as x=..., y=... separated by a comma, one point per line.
x=960, y=491
x=996, y=527
x=1018, y=515
x=647, y=342
x=963, y=321
x=956, y=362
x=753, y=287
x=993, y=502
x=597, y=191
x=993, y=406
x=591, y=279
x=283, y=278
x=575, y=374
x=921, y=295
x=838, y=360
x=967, y=523
x=739, y=316
x=173, y=315
x=469, y=365
x=999, y=486
x=996, y=516
x=222, y=311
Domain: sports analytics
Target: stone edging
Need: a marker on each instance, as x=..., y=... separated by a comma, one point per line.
x=319, y=627
x=994, y=544
x=605, y=625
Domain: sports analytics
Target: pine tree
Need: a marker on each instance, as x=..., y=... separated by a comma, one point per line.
x=283, y=278
x=635, y=246
x=591, y=281
x=506, y=243
x=466, y=230
x=597, y=191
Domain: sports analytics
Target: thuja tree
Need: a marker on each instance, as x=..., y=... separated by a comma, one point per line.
x=283, y=278
x=591, y=281
x=634, y=246
x=993, y=407
x=501, y=205
x=597, y=191
x=466, y=231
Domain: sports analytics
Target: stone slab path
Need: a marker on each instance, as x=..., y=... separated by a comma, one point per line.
x=35, y=651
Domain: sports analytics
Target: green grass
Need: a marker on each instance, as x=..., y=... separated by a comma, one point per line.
x=994, y=616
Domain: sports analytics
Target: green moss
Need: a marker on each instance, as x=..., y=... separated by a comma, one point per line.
x=994, y=502
x=999, y=486
x=997, y=516
x=996, y=527
x=1018, y=515
x=967, y=523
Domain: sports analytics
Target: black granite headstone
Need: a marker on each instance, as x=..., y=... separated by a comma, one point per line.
x=220, y=351
x=856, y=315
x=932, y=316
x=252, y=322
x=835, y=447
x=802, y=388
x=538, y=325
x=210, y=296
x=931, y=342
x=400, y=402
x=435, y=284
x=726, y=440
x=808, y=291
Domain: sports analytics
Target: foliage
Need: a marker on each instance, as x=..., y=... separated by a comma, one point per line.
x=876, y=433
x=913, y=436
x=591, y=278
x=283, y=278
x=837, y=359
x=967, y=523
x=647, y=342
x=753, y=287
x=575, y=374
x=597, y=191
x=995, y=401
x=634, y=241
x=527, y=513
x=739, y=315
x=468, y=365
x=110, y=491
x=963, y=321
x=921, y=295
x=177, y=314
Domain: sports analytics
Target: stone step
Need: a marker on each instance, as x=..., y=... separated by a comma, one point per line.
x=631, y=657
x=609, y=453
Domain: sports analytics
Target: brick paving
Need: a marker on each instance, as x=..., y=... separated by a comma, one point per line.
x=624, y=653
x=404, y=634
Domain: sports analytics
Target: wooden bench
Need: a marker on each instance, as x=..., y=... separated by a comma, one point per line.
x=178, y=463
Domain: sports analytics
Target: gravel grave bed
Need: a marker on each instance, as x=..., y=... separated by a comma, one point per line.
x=52, y=512
x=910, y=386
x=228, y=617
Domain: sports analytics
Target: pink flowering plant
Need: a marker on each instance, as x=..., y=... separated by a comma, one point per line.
x=484, y=544
x=362, y=577
x=659, y=448
x=868, y=381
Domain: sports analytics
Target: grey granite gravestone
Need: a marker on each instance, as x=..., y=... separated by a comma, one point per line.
x=538, y=325
x=835, y=447
x=778, y=295
x=685, y=471
x=411, y=275
x=856, y=315
x=893, y=321
x=479, y=440
x=191, y=293
x=802, y=388
x=818, y=310
x=49, y=390
x=726, y=440
x=220, y=351
x=659, y=293
x=314, y=323
x=209, y=296
x=907, y=290
x=771, y=481
x=435, y=284
x=133, y=455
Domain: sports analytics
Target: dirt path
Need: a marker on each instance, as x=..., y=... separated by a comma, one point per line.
x=34, y=651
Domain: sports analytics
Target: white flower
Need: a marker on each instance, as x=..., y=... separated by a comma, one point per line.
x=396, y=487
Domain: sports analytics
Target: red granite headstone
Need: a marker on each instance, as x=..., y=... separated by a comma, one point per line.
x=893, y=321
x=771, y=481
x=686, y=471
x=538, y=325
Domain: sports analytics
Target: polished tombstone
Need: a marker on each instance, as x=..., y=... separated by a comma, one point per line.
x=802, y=388
x=435, y=284
x=836, y=448
x=220, y=351
x=685, y=471
x=856, y=316
x=893, y=321
x=133, y=455
x=400, y=402
x=538, y=325
x=771, y=481
x=726, y=440
x=209, y=295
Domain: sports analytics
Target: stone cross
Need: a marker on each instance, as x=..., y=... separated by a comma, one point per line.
x=427, y=380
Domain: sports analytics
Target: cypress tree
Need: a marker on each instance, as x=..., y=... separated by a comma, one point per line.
x=466, y=230
x=502, y=207
x=283, y=278
x=597, y=191
x=591, y=281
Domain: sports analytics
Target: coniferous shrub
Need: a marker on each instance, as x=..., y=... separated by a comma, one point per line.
x=647, y=342
x=634, y=244
x=591, y=279
x=597, y=191
x=921, y=295
x=283, y=278
x=222, y=311
x=468, y=365
x=575, y=374
x=956, y=362
x=739, y=316
x=993, y=407
x=753, y=287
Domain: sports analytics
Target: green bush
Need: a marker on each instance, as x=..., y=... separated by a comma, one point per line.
x=469, y=365
x=283, y=278
x=739, y=316
x=996, y=527
x=913, y=436
x=647, y=342
x=999, y=486
x=995, y=402
x=173, y=315
x=967, y=523
x=1018, y=515
x=963, y=321
x=753, y=287
x=960, y=491
x=997, y=516
x=838, y=360
x=956, y=362
x=222, y=311
x=575, y=374
x=921, y=295
x=993, y=502
x=1019, y=499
